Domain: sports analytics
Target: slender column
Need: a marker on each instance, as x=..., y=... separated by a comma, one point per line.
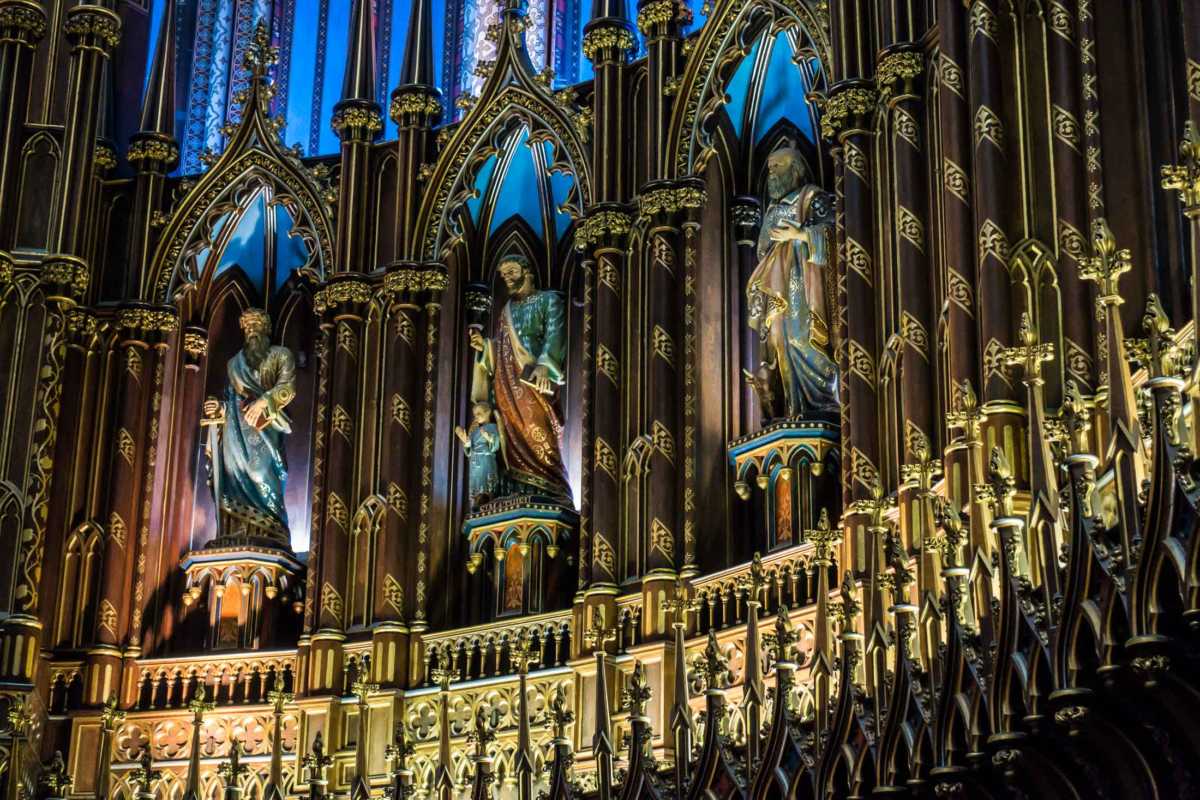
x=847, y=118
x=1003, y=424
x=137, y=381
x=681, y=714
x=1184, y=179
x=958, y=252
x=523, y=656
x=603, y=236
x=1070, y=198
x=342, y=305
x=662, y=23
x=415, y=108
x=754, y=693
x=670, y=208
x=431, y=349
x=93, y=32
x=145, y=775
x=824, y=538
x=900, y=77
x=22, y=26
x=608, y=43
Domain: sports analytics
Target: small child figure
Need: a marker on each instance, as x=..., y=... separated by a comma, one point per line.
x=481, y=444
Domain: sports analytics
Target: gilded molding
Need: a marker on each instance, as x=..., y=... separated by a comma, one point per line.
x=670, y=200
x=602, y=226
x=153, y=149
x=148, y=319
x=608, y=37
x=846, y=109
x=195, y=344
x=82, y=323
x=334, y=294
x=96, y=27
x=661, y=13
x=896, y=72
x=23, y=21
x=357, y=119
x=68, y=272
x=414, y=280
x=414, y=102
x=104, y=157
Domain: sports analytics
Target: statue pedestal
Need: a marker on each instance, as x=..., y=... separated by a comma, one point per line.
x=791, y=469
x=248, y=589
x=517, y=546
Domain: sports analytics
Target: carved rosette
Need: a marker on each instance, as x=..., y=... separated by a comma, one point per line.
x=90, y=27
x=22, y=21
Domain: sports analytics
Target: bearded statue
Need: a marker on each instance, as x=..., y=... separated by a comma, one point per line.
x=246, y=430
x=788, y=295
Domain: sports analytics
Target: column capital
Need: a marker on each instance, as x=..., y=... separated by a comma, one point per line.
x=356, y=120
x=604, y=226
x=22, y=21
x=92, y=27
x=847, y=108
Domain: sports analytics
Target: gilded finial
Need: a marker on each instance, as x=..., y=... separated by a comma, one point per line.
x=523, y=653
x=1165, y=356
x=1001, y=486
x=111, y=716
x=443, y=677
x=849, y=606
x=317, y=760
x=1075, y=417
x=260, y=56
x=233, y=769
x=636, y=693
x=1107, y=264
x=486, y=723
x=55, y=780
x=145, y=775
x=279, y=699
x=560, y=715
x=399, y=750
x=714, y=665
x=783, y=642
x=824, y=538
x=1184, y=177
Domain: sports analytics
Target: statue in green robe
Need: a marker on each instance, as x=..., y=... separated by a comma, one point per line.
x=519, y=372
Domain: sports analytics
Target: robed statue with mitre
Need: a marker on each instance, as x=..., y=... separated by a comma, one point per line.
x=788, y=295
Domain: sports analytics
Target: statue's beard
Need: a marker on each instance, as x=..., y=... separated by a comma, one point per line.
x=256, y=348
x=779, y=185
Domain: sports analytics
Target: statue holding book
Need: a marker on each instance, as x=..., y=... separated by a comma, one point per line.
x=246, y=430
x=519, y=374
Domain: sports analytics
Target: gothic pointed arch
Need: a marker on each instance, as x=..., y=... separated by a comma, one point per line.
x=254, y=160
x=512, y=97
x=727, y=39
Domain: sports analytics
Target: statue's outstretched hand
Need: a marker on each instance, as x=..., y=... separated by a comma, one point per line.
x=476, y=339
x=461, y=434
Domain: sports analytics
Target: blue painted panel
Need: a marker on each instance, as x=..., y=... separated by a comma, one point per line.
x=784, y=91
x=481, y=183
x=739, y=87
x=335, y=69
x=300, y=78
x=246, y=246
x=560, y=188
x=518, y=195
x=290, y=253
